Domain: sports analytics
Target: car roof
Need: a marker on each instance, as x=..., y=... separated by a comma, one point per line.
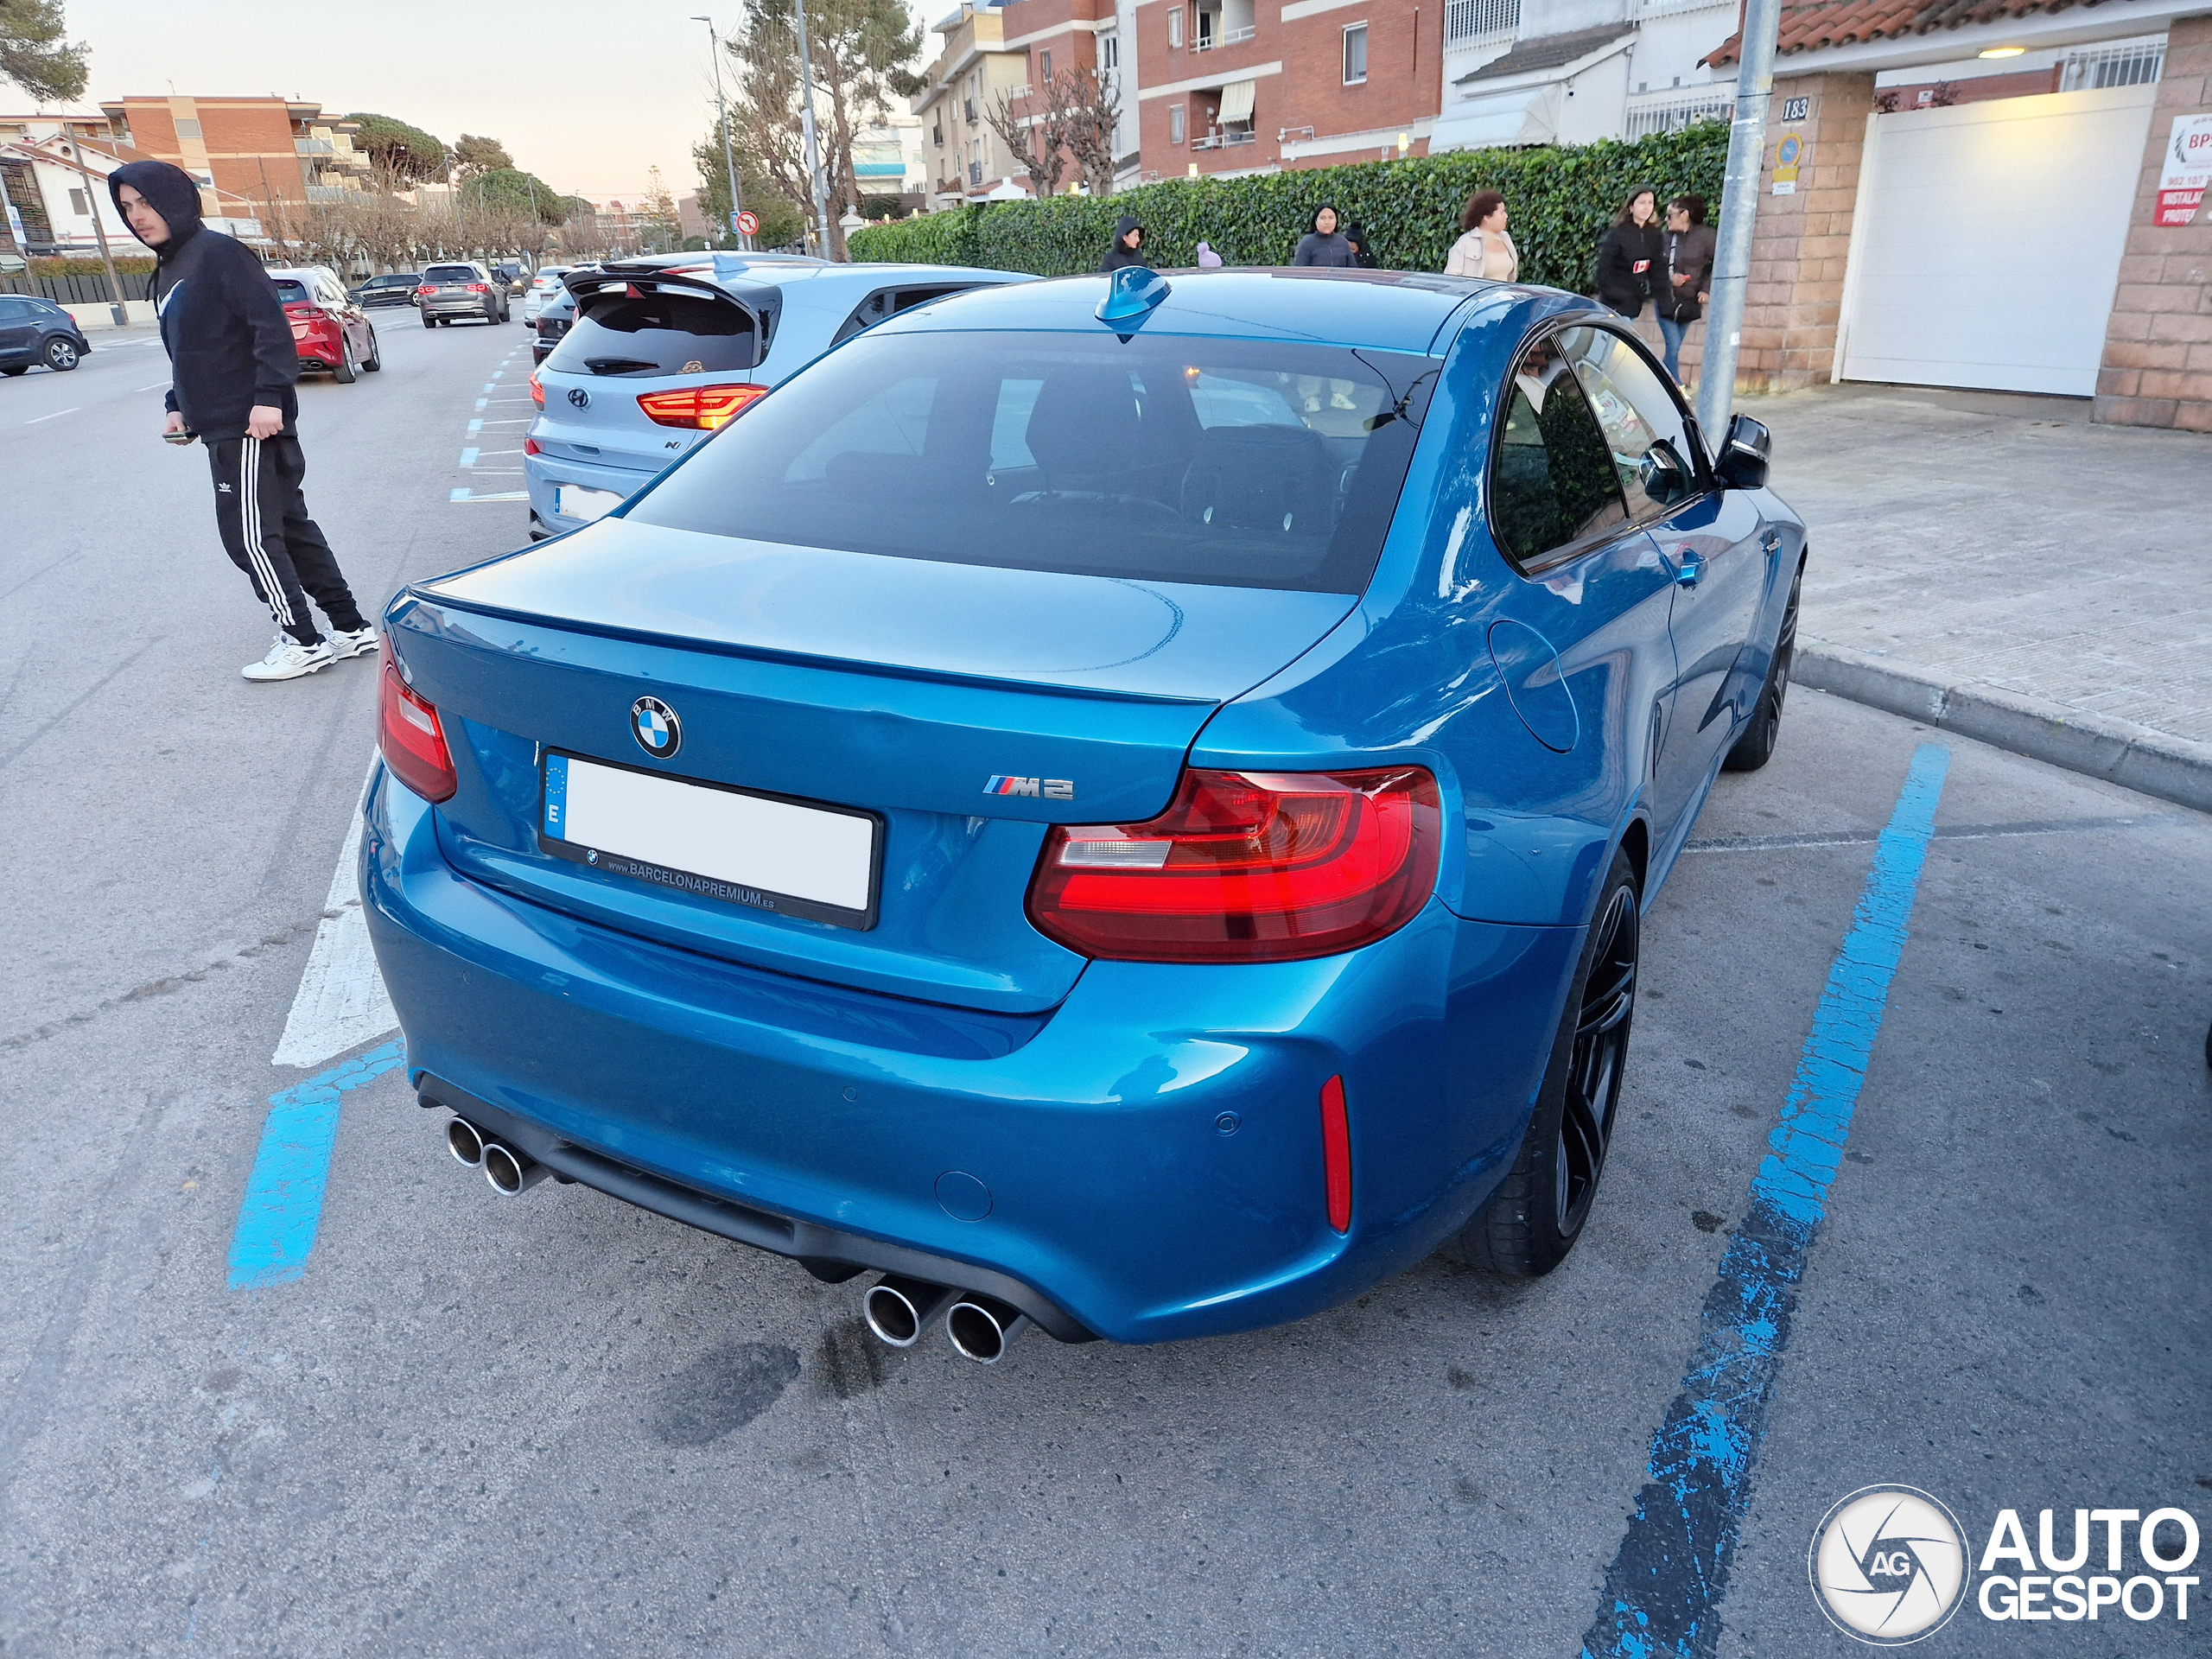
x=1383, y=310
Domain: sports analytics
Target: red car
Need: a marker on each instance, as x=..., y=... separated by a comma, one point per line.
x=329, y=331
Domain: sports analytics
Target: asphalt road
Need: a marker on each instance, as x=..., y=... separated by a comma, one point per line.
x=558, y=1425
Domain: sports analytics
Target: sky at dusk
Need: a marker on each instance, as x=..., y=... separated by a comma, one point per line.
x=584, y=94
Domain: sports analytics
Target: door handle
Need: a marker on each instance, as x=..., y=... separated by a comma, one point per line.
x=1692, y=569
x=1771, y=541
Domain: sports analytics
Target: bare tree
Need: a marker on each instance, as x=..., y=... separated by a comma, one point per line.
x=1090, y=108
x=1037, y=141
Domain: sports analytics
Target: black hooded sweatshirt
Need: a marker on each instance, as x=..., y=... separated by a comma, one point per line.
x=1119, y=254
x=229, y=342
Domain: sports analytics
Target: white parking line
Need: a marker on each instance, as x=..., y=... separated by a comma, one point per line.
x=56, y=416
x=152, y=386
x=341, y=1002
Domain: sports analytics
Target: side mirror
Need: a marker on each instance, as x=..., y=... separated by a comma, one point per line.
x=1743, y=461
x=1663, y=477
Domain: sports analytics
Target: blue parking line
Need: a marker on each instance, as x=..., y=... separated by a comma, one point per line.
x=468, y=457
x=283, y=1205
x=476, y=426
x=1662, y=1595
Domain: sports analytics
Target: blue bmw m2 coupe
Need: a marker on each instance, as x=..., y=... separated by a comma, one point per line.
x=1123, y=804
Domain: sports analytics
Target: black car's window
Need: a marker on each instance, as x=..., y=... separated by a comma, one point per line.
x=291, y=290
x=1552, y=487
x=452, y=274
x=1636, y=412
x=657, y=334
x=1229, y=462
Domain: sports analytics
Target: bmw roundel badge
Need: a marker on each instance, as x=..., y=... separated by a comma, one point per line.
x=653, y=723
x=578, y=397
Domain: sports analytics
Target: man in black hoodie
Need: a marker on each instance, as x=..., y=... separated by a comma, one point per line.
x=233, y=367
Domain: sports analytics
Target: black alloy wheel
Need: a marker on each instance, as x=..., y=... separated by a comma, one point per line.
x=1756, y=747
x=1538, y=1211
x=61, y=354
x=1597, y=1061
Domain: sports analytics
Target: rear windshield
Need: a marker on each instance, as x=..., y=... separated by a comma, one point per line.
x=451, y=273
x=657, y=334
x=291, y=291
x=1227, y=462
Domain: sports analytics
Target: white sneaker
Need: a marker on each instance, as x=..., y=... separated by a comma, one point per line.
x=363, y=638
x=288, y=659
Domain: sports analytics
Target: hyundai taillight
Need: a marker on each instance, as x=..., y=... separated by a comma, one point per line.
x=413, y=742
x=531, y=446
x=706, y=407
x=480, y=288
x=1246, y=867
x=536, y=390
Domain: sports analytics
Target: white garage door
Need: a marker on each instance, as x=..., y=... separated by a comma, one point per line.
x=1986, y=243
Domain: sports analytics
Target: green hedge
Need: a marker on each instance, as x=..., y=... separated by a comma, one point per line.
x=1560, y=199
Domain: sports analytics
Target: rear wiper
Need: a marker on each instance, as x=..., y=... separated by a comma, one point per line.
x=617, y=364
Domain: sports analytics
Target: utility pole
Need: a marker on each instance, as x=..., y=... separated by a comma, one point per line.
x=814, y=172
x=1739, y=206
x=729, y=157
x=93, y=200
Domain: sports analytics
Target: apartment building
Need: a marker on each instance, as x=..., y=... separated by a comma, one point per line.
x=268, y=151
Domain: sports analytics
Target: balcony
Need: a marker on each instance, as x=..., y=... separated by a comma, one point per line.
x=1218, y=140
x=312, y=146
x=1483, y=22
x=968, y=109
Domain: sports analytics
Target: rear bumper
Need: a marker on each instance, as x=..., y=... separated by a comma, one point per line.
x=542, y=474
x=453, y=308
x=1146, y=1157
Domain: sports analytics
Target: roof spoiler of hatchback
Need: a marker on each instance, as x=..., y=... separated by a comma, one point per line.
x=761, y=304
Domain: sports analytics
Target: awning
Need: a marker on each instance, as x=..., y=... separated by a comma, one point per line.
x=1527, y=116
x=1235, y=103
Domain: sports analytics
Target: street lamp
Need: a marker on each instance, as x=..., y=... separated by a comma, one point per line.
x=806, y=124
x=722, y=109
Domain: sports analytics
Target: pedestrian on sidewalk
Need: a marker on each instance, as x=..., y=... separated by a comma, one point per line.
x=1484, y=249
x=1680, y=298
x=1127, y=247
x=1363, y=254
x=1630, y=253
x=1322, y=244
x=231, y=369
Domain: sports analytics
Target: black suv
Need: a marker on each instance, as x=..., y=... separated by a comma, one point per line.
x=33, y=331
x=398, y=288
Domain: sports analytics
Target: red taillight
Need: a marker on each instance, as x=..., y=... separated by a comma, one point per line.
x=536, y=390
x=1336, y=1154
x=413, y=742
x=1246, y=867
x=529, y=447
x=707, y=407
x=426, y=289
x=480, y=288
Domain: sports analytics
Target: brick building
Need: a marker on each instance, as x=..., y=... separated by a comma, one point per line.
x=267, y=152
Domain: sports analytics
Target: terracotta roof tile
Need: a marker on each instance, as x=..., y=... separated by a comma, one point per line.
x=1808, y=28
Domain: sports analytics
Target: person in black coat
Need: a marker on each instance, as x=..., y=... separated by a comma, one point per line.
x=1128, y=246
x=1363, y=251
x=1631, y=253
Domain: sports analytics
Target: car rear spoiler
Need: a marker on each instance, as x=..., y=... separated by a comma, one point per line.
x=761, y=304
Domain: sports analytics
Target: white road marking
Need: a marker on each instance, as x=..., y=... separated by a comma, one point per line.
x=340, y=1003
x=469, y=495
x=56, y=416
x=151, y=385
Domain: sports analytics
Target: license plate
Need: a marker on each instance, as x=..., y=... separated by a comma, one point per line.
x=573, y=501
x=796, y=858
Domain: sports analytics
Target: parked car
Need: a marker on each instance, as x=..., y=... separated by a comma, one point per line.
x=35, y=331
x=330, y=332
x=545, y=284
x=450, y=293
x=1124, y=803
x=398, y=288
x=635, y=382
x=514, y=276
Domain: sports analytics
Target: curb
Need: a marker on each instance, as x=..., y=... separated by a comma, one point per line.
x=2118, y=751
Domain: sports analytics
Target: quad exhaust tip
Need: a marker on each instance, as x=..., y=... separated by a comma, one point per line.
x=899, y=1309
x=465, y=1141
x=511, y=1172
x=982, y=1328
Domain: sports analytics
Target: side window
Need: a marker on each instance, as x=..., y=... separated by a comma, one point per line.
x=15, y=310
x=869, y=312
x=1552, y=487
x=1645, y=428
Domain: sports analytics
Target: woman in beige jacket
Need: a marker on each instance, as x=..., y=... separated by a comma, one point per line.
x=1484, y=248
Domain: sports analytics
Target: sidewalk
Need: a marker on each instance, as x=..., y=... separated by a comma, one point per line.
x=1994, y=564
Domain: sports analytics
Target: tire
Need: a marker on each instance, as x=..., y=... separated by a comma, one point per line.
x=376, y=354
x=342, y=371
x=60, y=355
x=1538, y=1211
x=1756, y=747
x=430, y=321
x=21, y=368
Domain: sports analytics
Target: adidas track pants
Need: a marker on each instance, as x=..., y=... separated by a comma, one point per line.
x=263, y=520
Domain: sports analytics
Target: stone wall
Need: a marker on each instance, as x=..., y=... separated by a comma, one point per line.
x=2158, y=362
